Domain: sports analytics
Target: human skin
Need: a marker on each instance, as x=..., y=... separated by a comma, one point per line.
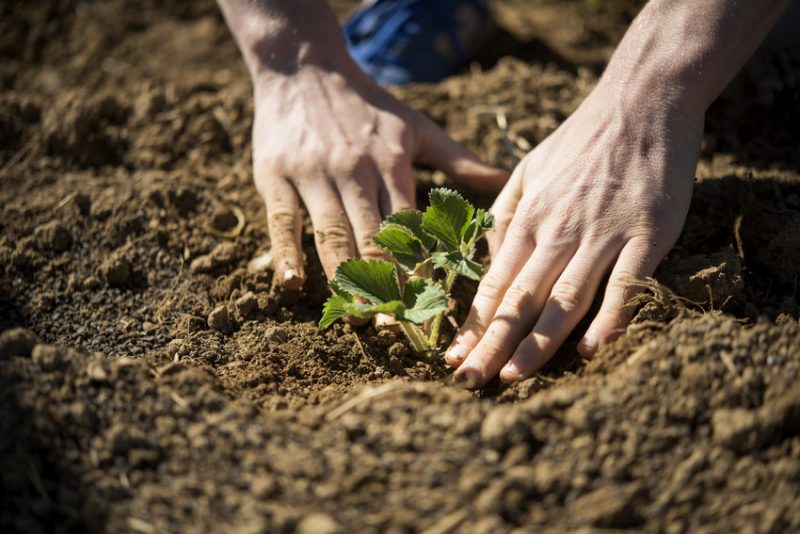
x=607, y=192
x=325, y=134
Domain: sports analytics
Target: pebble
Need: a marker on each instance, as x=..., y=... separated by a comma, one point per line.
x=220, y=320
x=277, y=334
x=116, y=270
x=503, y=427
x=221, y=255
x=53, y=236
x=318, y=523
x=17, y=342
x=246, y=305
x=47, y=357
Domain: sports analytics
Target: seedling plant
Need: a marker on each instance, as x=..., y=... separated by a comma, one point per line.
x=429, y=250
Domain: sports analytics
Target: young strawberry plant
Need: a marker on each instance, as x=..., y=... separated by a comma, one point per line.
x=429, y=251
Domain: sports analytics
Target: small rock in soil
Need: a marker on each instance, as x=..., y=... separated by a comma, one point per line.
x=47, y=357
x=246, y=305
x=116, y=270
x=318, y=524
x=17, y=342
x=277, y=334
x=738, y=429
x=607, y=506
x=53, y=236
x=221, y=256
x=220, y=320
x=91, y=283
x=503, y=427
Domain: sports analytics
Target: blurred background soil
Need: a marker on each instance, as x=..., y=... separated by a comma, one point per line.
x=153, y=380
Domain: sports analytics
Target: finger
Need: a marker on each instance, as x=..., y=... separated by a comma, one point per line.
x=437, y=149
x=637, y=260
x=285, y=226
x=332, y=234
x=519, y=309
x=511, y=258
x=503, y=210
x=359, y=194
x=397, y=187
x=568, y=302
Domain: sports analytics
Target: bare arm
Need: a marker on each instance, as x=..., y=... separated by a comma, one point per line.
x=282, y=35
x=608, y=191
x=686, y=52
x=328, y=136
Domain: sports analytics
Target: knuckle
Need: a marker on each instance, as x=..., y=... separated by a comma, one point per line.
x=348, y=162
x=393, y=160
x=281, y=218
x=569, y=296
x=517, y=298
x=334, y=235
x=491, y=288
x=366, y=247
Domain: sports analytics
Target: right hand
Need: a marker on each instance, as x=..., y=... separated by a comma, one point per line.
x=335, y=140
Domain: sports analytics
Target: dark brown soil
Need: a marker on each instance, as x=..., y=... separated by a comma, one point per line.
x=151, y=382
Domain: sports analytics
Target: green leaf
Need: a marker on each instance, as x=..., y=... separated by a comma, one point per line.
x=412, y=219
x=413, y=288
x=402, y=244
x=374, y=280
x=334, y=308
x=447, y=218
x=338, y=290
x=423, y=299
x=457, y=262
x=482, y=223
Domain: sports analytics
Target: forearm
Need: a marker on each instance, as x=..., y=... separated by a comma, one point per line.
x=684, y=52
x=278, y=36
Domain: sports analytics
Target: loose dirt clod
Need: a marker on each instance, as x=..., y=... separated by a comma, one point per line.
x=17, y=342
x=220, y=257
x=53, y=236
x=116, y=270
x=220, y=320
x=318, y=524
x=246, y=305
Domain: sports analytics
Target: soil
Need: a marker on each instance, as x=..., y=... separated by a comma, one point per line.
x=152, y=378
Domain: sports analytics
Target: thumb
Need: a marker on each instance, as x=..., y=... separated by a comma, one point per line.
x=437, y=149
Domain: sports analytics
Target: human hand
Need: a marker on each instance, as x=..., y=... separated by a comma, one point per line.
x=332, y=138
x=608, y=191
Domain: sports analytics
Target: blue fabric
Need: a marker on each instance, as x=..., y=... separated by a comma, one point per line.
x=403, y=41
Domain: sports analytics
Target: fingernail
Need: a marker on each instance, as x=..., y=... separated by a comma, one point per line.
x=511, y=373
x=467, y=378
x=291, y=278
x=589, y=344
x=453, y=356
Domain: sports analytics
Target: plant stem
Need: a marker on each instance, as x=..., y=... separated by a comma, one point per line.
x=416, y=336
x=437, y=321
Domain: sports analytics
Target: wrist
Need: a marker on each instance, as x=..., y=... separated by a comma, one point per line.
x=683, y=53
x=286, y=50
x=654, y=100
x=281, y=36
